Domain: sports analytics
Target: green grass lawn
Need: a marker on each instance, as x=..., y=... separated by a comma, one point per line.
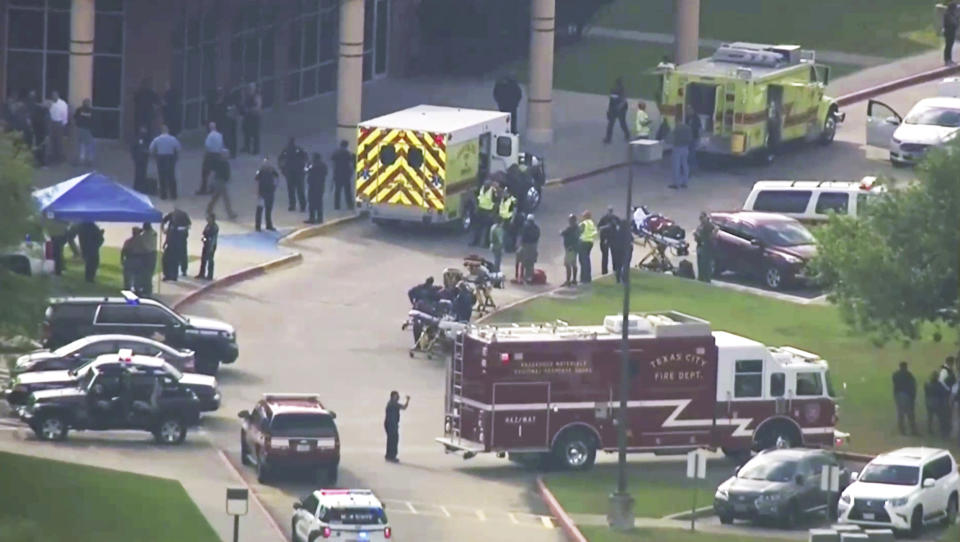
x=861, y=370
x=109, y=279
x=659, y=491
x=66, y=502
x=603, y=534
x=889, y=28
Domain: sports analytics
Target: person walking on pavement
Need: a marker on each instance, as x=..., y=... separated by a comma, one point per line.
x=83, y=130
x=528, y=253
x=951, y=20
x=266, y=189
x=391, y=424
x=165, y=149
x=209, y=237
x=344, y=163
x=293, y=161
x=608, y=226
x=933, y=399
x=696, y=126
x=904, y=396
x=316, y=184
x=704, y=238
x=140, y=152
x=212, y=151
x=641, y=121
x=507, y=93
x=91, y=239
x=128, y=259
x=496, y=242
x=681, y=141
x=252, y=108
x=221, y=185
x=588, y=235
x=176, y=228
x=484, y=215
x=59, y=118
x=571, y=244
x=617, y=110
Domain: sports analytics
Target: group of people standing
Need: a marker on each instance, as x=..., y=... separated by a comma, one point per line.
x=941, y=399
x=616, y=246
x=43, y=125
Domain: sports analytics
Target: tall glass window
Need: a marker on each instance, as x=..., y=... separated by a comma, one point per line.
x=108, y=44
x=195, y=64
x=252, y=47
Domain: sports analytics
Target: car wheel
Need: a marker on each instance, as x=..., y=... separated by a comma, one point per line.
x=208, y=366
x=777, y=432
x=263, y=472
x=52, y=427
x=772, y=277
x=575, y=450
x=170, y=431
x=829, y=131
x=790, y=516
x=916, y=522
x=244, y=450
x=737, y=455
x=951, y=511
x=725, y=519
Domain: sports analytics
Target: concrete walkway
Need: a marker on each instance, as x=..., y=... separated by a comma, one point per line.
x=751, y=532
x=835, y=57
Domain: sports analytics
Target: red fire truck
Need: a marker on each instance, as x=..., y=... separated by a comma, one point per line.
x=552, y=390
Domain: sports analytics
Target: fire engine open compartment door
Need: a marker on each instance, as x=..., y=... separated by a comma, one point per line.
x=520, y=417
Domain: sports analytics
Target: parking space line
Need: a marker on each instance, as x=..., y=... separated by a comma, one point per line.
x=444, y=510
x=547, y=522
x=513, y=518
x=481, y=516
x=411, y=508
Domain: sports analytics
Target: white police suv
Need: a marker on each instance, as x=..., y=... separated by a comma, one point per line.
x=904, y=489
x=348, y=515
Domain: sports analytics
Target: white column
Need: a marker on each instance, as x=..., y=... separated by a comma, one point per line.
x=350, y=71
x=540, y=91
x=686, y=32
x=82, y=19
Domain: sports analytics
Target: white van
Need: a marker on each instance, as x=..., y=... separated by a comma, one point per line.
x=811, y=201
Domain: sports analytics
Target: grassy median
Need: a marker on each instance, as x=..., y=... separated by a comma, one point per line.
x=56, y=501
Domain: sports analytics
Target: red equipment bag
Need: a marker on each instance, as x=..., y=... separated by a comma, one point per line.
x=539, y=277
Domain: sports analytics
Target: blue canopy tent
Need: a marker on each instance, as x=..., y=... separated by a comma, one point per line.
x=95, y=197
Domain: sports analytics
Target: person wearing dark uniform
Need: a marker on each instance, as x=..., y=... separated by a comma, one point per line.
x=266, y=188
x=91, y=239
x=704, y=238
x=343, y=167
x=176, y=226
x=391, y=424
x=210, y=234
x=316, y=184
x=463, y=302
x=904, y=395
x=292, y=161
x=617, y=111
x=951, y=20
x=140, y=151
x=608, y=226
x=507, y=93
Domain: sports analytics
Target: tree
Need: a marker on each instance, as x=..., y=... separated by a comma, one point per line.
x=23, y=298
x=894, y=268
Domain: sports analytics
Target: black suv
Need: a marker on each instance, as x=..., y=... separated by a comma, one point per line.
x=114, y=397
x=70, y=318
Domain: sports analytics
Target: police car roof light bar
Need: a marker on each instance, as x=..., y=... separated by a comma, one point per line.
x=300, y=396
x=130, y=297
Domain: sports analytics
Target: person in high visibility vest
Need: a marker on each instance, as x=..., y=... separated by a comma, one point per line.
x=588, y=234
x=484, y=215
x=641, y=122
x=507, y=211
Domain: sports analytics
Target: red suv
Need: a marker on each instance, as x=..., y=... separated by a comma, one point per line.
x=774, y=248
x=290, y=431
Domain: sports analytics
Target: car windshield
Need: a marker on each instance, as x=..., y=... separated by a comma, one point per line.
x=786, y=234
x=934, y=116
x=356, y=516
x=70, y=348
x=303, y=425
x=890, y=474
x=769, y=470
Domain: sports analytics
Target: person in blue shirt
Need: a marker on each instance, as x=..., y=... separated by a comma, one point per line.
x=165, y=149
x=213, y=149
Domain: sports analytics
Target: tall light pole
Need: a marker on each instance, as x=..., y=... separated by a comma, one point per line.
x=621, y=516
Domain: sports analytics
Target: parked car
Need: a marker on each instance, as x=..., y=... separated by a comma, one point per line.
x=204, y=386
x=290, y=430
x=771, y=247
x=340, y=514
x=812, y=201
x=101, y=401
x=30, y=258
x=82, y=351
x=781, y=484
x=70, y=318
x=931, y=122
x=905, y=489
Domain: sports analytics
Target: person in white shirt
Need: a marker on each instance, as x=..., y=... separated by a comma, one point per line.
x=59, y=117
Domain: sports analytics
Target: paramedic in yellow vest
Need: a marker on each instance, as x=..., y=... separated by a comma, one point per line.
x=483, y=218
x=641, y=122
x=507, y=210
x=588, y=234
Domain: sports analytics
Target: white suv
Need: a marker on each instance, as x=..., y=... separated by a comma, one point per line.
x=904, y=489
x=341, y=514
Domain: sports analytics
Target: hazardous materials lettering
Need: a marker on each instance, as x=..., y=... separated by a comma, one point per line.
x=552, y=367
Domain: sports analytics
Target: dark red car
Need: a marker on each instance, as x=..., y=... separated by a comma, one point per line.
x=773, y=248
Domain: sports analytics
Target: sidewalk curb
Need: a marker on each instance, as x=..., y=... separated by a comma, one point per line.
x=483, y=319
x=239, y=276
x=566, y=524
x=316, y=229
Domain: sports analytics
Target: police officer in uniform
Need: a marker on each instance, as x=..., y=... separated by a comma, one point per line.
x=343, y=170
x=266, y=188
x=608, y=227
x=293, y=161
x=483, y=216
x=176, y=226
x=316, y=184
x=588, y=234
x=704, y=238
x=210, y=234
x=391, y=424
